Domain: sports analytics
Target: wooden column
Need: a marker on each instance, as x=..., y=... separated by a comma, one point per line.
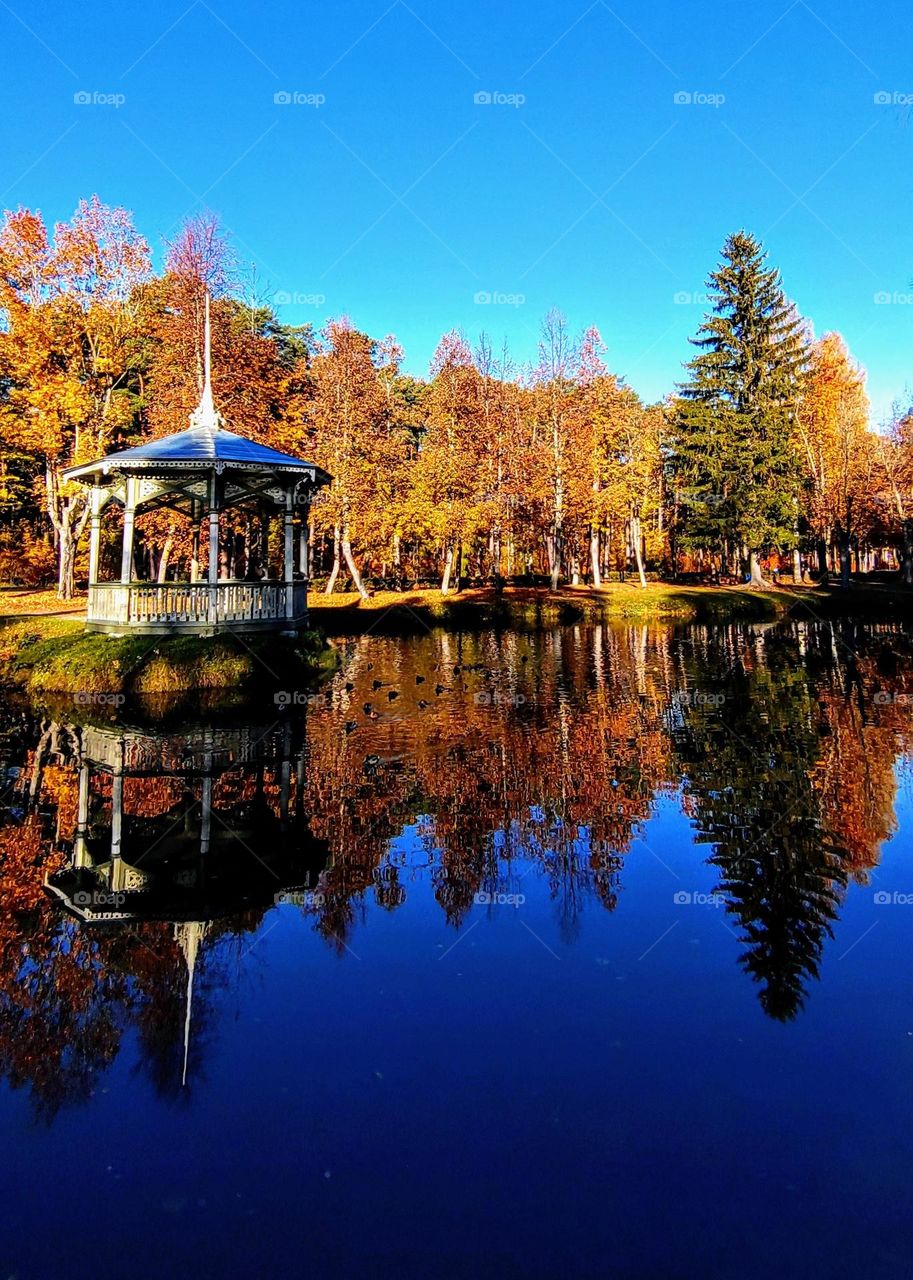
x=285, y=785
x=117, y=807
x=126, y=560
x=195, y=518
x=94, y=534
x=80, y=852
x=303, y=566
x=206, y=798
x=289, y=554
x=213, y=546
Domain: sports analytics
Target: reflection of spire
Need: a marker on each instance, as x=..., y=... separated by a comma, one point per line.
x=188, y=936
x=205, y=416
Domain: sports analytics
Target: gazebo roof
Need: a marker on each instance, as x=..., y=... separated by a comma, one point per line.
x=194, y=448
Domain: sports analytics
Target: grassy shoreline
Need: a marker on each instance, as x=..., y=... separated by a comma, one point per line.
x=43, y=655
x=526, y=607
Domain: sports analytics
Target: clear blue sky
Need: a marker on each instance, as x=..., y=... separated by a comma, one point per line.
x=400, y=198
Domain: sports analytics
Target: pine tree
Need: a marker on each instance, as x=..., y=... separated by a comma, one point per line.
x=735, y=465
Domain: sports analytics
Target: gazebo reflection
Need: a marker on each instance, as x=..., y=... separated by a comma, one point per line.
x=187, y=826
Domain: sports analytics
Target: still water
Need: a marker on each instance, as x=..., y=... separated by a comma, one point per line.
x=573, y=953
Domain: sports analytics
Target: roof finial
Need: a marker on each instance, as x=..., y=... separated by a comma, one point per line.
x=205, y=414
x=188, y=936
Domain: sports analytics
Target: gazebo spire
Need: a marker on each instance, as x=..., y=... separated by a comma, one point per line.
x=188, y=936
x=205, y=416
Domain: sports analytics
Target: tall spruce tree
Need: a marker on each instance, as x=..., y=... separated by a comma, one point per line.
x=736, y=468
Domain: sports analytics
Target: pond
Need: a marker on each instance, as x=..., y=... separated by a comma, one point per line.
x=573, y=952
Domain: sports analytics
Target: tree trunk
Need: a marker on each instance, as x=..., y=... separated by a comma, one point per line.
x=756, y=577
x=66, y=585
x=166, y=555
x=797, y=566
x=448, y=565
x=554, y=567
x=352, y=566
x=638, y=545
x=906, y=555
x=496, y=553
x=822, y=559
x=594, y=557
x=68, y=517
x=334, y=572
x=844, y=546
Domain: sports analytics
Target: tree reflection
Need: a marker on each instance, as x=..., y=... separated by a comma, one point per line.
x=507, y=757
x=749, y=771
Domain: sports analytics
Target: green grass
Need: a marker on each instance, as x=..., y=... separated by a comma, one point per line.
x=527, y=607
x=55, y=655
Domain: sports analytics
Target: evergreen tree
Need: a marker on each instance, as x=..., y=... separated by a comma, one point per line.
x=735, y=463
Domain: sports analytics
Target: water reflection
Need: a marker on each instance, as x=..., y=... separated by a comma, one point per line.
x=139, y=862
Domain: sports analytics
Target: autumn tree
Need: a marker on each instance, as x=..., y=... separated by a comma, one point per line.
x=838, y=449
x=555, y=388
x=622, y=440
x=349, y=416
x=894, y=465
x=71, y=350
x=449, y=477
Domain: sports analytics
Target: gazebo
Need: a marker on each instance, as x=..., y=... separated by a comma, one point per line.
x=200, y=472
x=189, y=828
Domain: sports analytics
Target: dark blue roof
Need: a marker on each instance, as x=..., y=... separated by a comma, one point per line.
x=195, y=445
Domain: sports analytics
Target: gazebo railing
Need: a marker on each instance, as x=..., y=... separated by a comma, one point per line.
x=192, y=604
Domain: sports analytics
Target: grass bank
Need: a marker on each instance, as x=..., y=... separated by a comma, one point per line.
x=528, y=607
x=43, y=655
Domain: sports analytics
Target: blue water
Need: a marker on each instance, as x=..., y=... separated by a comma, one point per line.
x=546, y=1089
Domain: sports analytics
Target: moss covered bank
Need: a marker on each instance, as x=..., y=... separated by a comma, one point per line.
x=56, y=655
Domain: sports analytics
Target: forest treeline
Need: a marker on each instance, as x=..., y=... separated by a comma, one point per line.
x=763, y=458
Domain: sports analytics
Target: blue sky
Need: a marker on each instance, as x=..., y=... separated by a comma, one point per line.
x=400, y=199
